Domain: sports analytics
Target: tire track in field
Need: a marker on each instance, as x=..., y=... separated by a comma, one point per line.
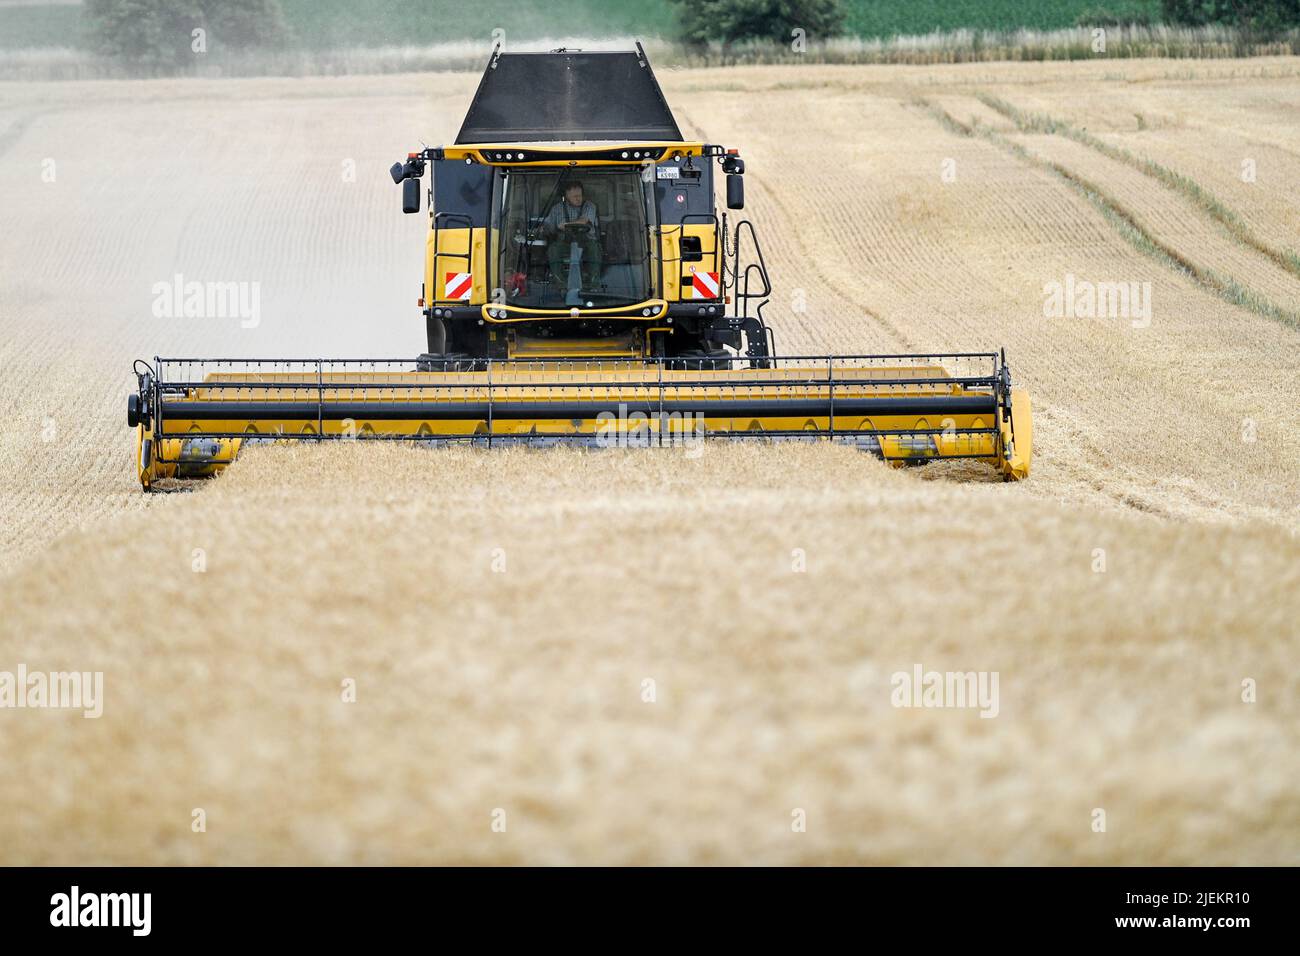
x=1207, y=202
x=1129, y=224
x=1118, y=463
x=1110, y=461
x=925, y=245
x=1269, y=202
x=1239, y=271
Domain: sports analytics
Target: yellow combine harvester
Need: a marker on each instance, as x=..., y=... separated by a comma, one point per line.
x=581, y=287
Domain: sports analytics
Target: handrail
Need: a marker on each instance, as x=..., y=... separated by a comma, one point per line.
x=743, y=296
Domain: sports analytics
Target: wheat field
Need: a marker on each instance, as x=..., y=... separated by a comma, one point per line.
x=362, y=654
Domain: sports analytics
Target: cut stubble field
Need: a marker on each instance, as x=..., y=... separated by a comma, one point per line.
x=654, y=657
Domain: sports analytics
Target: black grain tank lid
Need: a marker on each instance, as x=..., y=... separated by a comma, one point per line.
x=569, y=95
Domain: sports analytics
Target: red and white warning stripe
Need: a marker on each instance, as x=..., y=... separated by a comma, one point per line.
x=459, y=285
x=704, y=285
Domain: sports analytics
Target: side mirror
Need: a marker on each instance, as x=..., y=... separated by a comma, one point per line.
x=735, y=191
x=398, y=172
x=411, y=195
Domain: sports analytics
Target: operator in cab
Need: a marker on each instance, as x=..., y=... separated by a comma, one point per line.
x=574, y=220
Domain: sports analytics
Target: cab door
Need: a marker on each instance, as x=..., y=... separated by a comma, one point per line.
x=692, y=260
x=458, y=261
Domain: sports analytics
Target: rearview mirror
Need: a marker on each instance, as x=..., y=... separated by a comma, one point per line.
x=411, y=195
x=735, y=191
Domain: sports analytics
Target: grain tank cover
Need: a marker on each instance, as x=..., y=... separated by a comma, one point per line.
x=569, y=95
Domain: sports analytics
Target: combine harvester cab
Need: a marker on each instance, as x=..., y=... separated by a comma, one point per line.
x=581, y=286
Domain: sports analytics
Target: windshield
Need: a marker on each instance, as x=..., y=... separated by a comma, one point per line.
x=573, y=237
